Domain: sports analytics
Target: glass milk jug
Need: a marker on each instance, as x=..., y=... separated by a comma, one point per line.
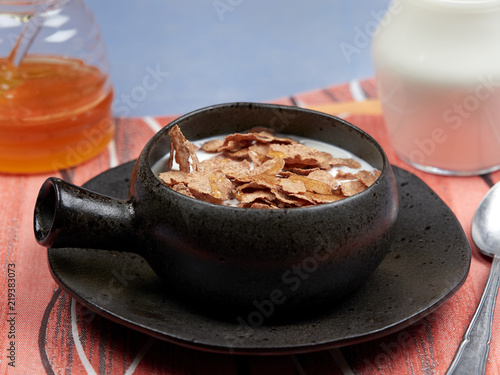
x=55, y=91
x=437, y=65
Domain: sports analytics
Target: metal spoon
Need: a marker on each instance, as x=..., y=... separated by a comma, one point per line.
x=472, y=354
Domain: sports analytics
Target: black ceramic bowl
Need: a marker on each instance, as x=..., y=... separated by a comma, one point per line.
x=231, y=257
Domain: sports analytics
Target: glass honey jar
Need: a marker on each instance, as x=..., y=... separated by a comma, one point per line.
x=55, y=89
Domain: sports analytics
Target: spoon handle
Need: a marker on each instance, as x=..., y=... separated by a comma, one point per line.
x=472, y=354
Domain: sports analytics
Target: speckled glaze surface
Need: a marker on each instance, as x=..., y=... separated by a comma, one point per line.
x=227, y=257
x=428, y=262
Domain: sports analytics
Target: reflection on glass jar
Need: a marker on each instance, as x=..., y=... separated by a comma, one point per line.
x=55, y=91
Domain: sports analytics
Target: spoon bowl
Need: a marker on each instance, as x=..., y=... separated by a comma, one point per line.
x=485, y=230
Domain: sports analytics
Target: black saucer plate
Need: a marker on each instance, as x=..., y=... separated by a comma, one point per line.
x=427, y=264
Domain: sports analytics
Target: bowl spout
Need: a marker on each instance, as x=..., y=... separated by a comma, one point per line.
x=67, y=215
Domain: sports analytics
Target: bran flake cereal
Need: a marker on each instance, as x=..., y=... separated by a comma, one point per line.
x=258, y=169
